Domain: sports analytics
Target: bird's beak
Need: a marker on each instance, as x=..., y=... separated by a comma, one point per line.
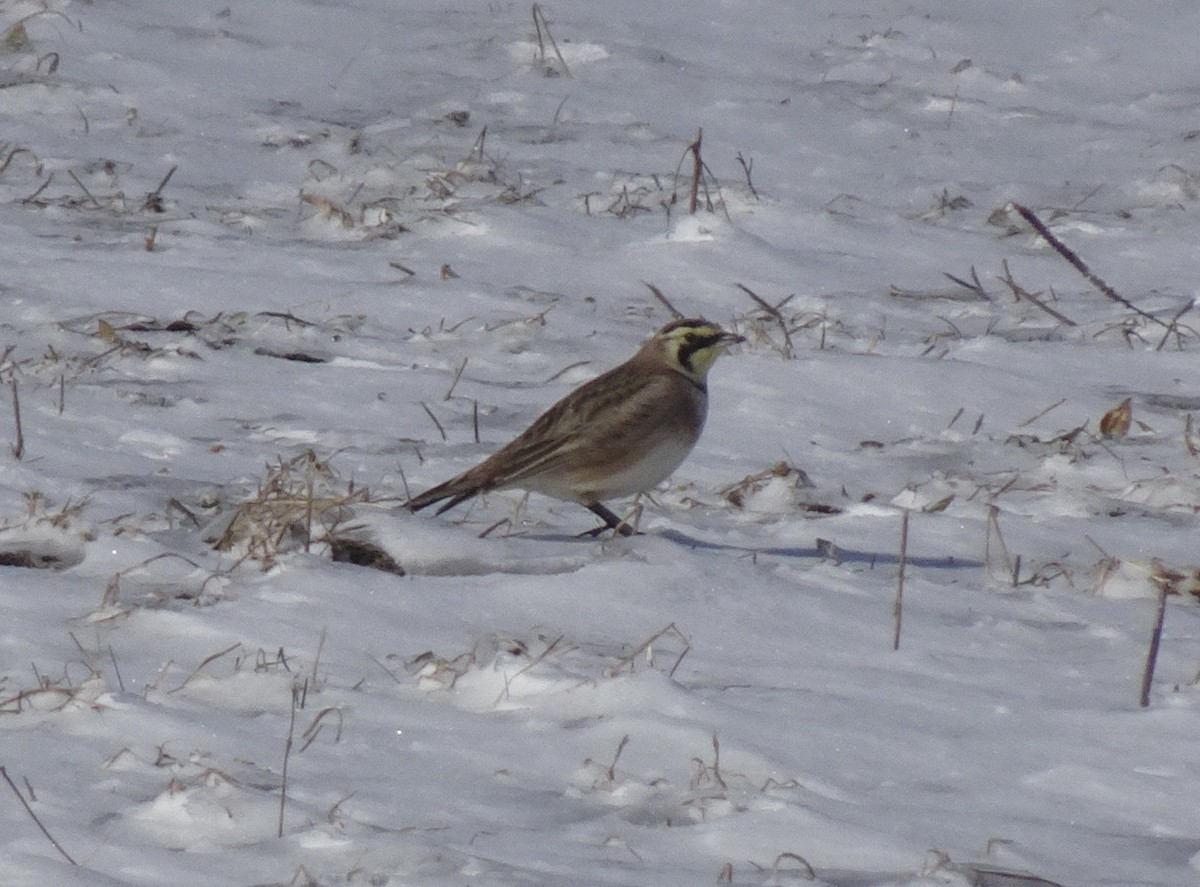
x=728, y=339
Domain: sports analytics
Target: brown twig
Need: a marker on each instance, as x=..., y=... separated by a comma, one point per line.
x=993, y=529
x=611, y=772
x=974, y=285
x=287, y=751
x=207, y=660
x=313, y=730
x=773, y=312
x=116, y=668
x=18, y=446
x=716, y=767
x=476, y=150
x=1189, y=442
x=748, y=168
x=560, y=373
x=1079, y=265
x=1021, y=293
x=541, y=657
x=83, y=188
x=153, y=201
x=429, y=413
x=1155, y=638
x=40, y=188
x=799, y=860
x=700, y=176
x=1058, y=403
x=1171, y=326
x=697, y=171
x=454, y=382
x=34, y=816
x=13, y=153
x=676, y=314
x=648, y=645
x=539, y=22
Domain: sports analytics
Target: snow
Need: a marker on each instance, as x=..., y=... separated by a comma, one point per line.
x=393, y=234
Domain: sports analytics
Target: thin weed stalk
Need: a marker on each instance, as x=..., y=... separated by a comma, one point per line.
x=34, y=816
x=676, y=314
x=775, y=314
x=1152, y=652
x=540, y=25
x=287, y=753
x=1079, y=265
x=898, y=606
x=18, y=445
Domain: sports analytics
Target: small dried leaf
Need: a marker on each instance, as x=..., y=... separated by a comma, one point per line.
x=16, y=39
x=1115, y=423
x=829, y=550
x=105, y=331
x=999, y=217
x=1176, y=580
x=939, y=506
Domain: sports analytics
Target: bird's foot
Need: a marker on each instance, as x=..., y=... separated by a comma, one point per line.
x=621, y=529
x=611, y=522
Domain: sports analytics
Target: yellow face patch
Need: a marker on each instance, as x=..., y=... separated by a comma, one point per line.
x=693, y=345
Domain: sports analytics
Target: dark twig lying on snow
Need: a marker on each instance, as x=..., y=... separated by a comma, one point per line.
x=1172, y=326
x=1079, y=265
x=802, y=866
x=207, y=660
x=1021, y=293
x=34, y=816
x=973, y=284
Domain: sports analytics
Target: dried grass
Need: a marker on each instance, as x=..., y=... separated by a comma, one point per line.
x=302, y=502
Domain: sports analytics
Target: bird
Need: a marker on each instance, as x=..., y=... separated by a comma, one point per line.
x=617, y=435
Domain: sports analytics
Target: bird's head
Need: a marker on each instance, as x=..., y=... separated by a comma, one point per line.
x=690, y=345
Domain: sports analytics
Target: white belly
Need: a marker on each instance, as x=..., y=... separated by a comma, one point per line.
x=646, y=474
x=638, y=477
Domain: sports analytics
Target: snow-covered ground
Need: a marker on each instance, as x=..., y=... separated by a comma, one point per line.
x=268, y=266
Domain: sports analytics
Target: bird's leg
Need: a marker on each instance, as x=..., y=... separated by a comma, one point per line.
x=611, y=521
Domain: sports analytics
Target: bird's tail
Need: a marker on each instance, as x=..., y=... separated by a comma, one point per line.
x=457, y=489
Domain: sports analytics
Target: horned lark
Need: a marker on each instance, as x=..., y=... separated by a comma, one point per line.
x=619, y=434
